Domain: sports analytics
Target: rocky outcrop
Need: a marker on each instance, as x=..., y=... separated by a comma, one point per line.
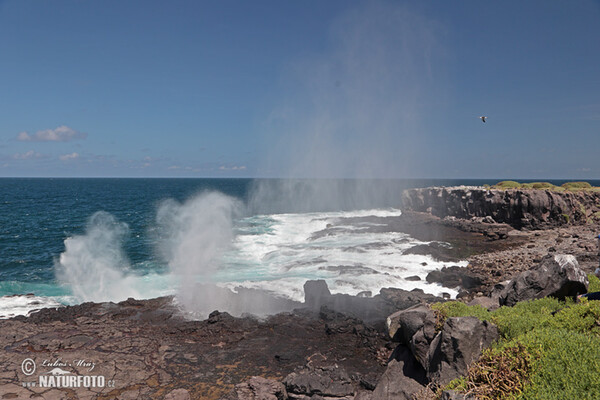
x=369, y=309
x=455, y=276
x=460, y=343
x=520, y=208
x=442, y=356
x=403, y=377
x=556, y=275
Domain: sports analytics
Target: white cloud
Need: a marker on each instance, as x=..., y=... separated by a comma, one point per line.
x=61, y=134
x=234, y=168
x=27, y=156
x=67, y=157
x=174, y=167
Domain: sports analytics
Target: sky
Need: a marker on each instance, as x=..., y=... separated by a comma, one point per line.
x=319, y=89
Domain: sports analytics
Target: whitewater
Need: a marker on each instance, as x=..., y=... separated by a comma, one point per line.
x=208, y=237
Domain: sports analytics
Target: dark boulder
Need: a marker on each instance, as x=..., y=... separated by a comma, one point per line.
x=556, y=275
x=403, y=324
x=316, y=293
x=437, y=250
x=454, y=276
x=402, y=379
x=460, y=343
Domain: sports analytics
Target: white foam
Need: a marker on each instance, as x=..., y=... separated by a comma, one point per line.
x=11, y=306
x=348, y=257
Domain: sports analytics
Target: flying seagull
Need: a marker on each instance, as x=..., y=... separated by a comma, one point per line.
x=483, y=117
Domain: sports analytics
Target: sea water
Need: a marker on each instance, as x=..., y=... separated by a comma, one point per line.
x=65, y=241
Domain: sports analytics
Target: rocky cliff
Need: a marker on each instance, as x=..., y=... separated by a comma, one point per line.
x=520, y=208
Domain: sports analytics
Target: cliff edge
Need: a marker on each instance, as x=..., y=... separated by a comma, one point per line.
x=520, y=208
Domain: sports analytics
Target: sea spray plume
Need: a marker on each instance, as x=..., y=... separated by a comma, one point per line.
x=195, y=234
x=357, y=110
x=94, y=264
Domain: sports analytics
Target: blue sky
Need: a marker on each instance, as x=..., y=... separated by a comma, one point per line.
x=300, y=88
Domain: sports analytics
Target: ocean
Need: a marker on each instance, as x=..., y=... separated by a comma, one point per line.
x=66, y=241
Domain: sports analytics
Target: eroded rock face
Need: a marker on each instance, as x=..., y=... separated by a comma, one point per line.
x=522, y=209
x=556, y=275
x=460, y=343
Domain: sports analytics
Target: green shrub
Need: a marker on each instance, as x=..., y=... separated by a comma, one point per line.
x=594, y=283
x=568, y=365
x=549, y=349
x=542, y=185
x=576, y=185
x=508, y=185
x=525, y=316
x=500, y=373
x=458, y=309
x=583, y=318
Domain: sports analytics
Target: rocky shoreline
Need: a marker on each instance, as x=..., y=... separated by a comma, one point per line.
x=328, y=347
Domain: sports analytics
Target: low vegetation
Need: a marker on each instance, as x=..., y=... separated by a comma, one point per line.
x=568, y=186
x=549, y=349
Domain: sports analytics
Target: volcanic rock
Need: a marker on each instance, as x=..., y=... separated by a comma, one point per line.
x=258, y=388
x=460, y=343
x=556, y=275
x=403, y=325
x=520, y=208
x=403, y=377
x=329, y=381
x=455, y=276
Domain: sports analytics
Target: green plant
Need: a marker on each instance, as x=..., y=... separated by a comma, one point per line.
x=567, y=365
x=582, y=318
x=525, y=316
x=549, y=349
x=576, y=185
x=458, y=309
x=500, y=373
x=507, y=185
x=594, y=285
x=542, y=185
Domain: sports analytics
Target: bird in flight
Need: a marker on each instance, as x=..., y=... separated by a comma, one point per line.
x=483, y=117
